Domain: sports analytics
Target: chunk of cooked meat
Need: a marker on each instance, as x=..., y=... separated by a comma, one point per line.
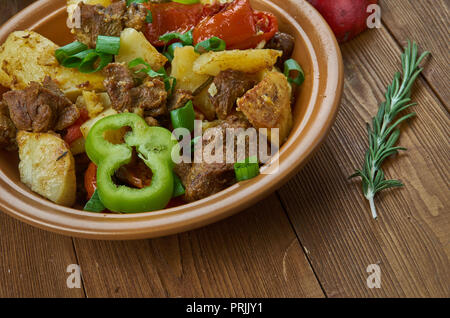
x=268, y=104
x=179, y=99
x=150, y=96
x=226, y=88
x=7, y=129
x=203, y=179
x=283, y=42
x=67, y=117
x=119, y=83
x=40, y=108
x=136, y=16
x=95, y=20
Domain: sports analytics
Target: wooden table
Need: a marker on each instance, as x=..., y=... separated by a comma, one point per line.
x=312, y=238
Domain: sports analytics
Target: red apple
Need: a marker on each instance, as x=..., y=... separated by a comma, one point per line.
x=347, y=18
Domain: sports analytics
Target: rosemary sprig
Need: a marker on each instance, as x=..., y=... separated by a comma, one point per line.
x=384, y=132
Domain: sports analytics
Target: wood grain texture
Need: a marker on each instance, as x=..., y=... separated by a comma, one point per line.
x=410, y=239
x=428, y=23
x=33, y=262
x=10, y=7
x=256, y=253
x=253, y=254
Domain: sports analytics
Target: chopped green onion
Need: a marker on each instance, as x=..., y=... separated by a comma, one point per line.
x=178, y=188
x=185, y=38
x=183, y=117
x=171, y=50
x=186, y=1
x=149, y=17
x=136, y=1
x=75, y=60
x=137, y=62
x=292, y=66
x=169, y=81
x=108, y=44
x=77, y=55
x=213, y=44
x=88, y=63
x=94, y=204
x=70, y=49
x=247, y=170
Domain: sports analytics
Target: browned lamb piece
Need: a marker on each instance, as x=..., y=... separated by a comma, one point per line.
x=119, y=82
x=228, y=86
x=97, y=20
x=150, y=96
x=179, y=99
x=7, y=129
x=40, y=108
x=204, y=179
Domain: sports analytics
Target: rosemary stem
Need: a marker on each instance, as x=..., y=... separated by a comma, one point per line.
x=372, y=207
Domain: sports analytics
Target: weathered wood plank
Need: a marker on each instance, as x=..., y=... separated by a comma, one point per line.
x=428, y=23
x=11, y=7
x=410, y=239
x=253, y=254
x=33, y=262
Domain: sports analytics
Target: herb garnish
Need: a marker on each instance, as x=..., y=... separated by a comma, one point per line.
x=384, y=132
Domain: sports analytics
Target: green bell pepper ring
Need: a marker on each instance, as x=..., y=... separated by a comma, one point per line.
x=153, y=145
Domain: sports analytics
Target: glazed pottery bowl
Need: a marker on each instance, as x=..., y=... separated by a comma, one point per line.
x=314, y=112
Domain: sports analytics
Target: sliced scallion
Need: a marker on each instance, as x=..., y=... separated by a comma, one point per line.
x=136, y=1
x=178, y=188
x=88, y=65
x=183, y=117
x=291, y=66
x=149, y=17
x=246, y=170
x=94, y=204
x=212, y=44
x=108, y=44
x=70, y=49
x=186, y=1
x=185, y=38
x=75, y=60
x=170, y=53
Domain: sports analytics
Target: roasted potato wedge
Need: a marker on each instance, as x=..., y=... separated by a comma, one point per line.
x=187, y=79
x=183, y=69
x=47, y=166
x=133, y=44
x=268, y=104
x=28, y=56
x=248, y=61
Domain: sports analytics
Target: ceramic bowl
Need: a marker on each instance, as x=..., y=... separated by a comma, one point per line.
x=314, y=112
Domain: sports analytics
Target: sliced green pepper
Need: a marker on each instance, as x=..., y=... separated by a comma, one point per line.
x=153, y=145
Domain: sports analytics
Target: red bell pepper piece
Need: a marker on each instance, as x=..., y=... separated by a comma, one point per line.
x=238, y=25
x=74, y=131
x=175, y=17
x=90, y=180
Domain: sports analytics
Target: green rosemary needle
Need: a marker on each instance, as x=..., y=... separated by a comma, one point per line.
x=384, y=132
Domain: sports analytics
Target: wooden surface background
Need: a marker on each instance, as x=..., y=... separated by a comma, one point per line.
x=312, y=238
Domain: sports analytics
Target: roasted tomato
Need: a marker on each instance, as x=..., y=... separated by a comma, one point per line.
x=176, y=17
x=238, y=25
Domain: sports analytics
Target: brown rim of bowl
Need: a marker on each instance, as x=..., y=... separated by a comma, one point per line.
x=44, y=214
